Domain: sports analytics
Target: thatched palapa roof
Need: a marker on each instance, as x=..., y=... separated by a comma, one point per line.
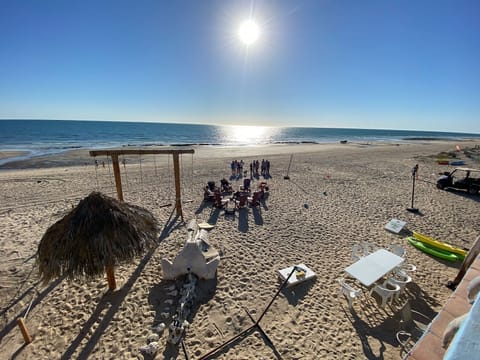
x=101, y=231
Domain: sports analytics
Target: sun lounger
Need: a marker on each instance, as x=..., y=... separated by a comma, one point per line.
x=303, y=273
x=395, y=225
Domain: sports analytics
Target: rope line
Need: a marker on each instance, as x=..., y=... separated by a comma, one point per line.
x=112, y=184
x=10, y=303
x=141, y=171
x=95, y=164
x=124, y=162
x=155, y=165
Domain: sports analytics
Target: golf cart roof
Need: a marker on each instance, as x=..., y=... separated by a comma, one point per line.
x=467, y=169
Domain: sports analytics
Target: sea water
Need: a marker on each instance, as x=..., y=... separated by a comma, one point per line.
x=41, y=137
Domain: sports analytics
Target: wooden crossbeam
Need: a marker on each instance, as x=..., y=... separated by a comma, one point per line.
x=176, y=168
x=140, y=152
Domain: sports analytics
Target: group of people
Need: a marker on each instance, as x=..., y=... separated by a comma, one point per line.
x=238, y=171
x=241, y=198
x=264, y=167
x=237, y=167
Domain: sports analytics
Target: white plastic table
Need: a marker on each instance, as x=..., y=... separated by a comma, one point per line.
x=370, y=268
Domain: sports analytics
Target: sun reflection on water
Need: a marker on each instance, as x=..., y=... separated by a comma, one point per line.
x=248, y=135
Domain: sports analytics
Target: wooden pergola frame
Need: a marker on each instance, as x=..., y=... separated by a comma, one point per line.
x=116, y=168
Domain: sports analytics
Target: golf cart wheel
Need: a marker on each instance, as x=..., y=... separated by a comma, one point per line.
x=473, y=190
x=440, y=186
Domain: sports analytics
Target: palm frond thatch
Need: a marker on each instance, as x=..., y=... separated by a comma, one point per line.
x=101, y=231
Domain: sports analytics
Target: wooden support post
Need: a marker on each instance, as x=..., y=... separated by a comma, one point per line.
x=116, y=168
x=178, y=195
x=471, y=256
x=26, y=336
x=118, y=178
x=112, y=284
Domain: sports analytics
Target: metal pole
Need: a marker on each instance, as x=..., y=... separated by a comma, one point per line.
x=286, y=177
x=278, y=292
x=414, y=174
x=255, y=325
x=229, y=341
x=413, y=190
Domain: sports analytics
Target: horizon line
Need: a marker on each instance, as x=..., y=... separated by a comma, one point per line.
x=245, y=125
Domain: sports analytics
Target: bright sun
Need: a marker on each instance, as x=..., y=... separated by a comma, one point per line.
x=249, y=32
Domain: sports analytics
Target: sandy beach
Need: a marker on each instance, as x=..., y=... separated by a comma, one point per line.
x=337, y=195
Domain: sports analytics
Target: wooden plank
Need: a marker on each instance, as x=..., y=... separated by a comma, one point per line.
x=139, y=152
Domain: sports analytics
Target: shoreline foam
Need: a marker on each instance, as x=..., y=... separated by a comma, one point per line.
x=80, y=157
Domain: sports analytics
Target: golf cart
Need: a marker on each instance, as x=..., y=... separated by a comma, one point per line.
x=461, y=178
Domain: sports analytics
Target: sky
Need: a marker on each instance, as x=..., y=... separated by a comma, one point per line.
x=386, y=64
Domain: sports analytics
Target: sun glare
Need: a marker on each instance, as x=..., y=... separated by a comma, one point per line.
x=248, y=135
x=249, y=32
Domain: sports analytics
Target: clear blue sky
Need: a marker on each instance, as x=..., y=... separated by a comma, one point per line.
x=395, y=64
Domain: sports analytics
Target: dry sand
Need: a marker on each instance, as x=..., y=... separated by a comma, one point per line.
x=337, y=195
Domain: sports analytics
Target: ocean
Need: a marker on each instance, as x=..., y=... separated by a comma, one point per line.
x=43, y=137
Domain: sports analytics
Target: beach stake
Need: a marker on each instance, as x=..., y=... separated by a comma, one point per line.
x=414, y=175
x=23, y=328
x=286, y=177
x=26, y=336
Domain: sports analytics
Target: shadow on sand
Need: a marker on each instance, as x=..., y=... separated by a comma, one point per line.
x=296, y=293
x=110, y=303
x=164, y=298
x=382, y=325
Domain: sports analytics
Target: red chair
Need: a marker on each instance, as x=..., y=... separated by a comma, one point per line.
x=241, y=202
x=219, y=201
x=255, y=199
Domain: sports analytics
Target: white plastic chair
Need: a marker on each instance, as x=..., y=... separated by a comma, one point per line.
x=368, y=248
x=402, y=279
x=408, y=268
x=387, y=291
x=400, y=251
x=397, y=250
x=349, y=292
x=357, y=252
x=413, y=324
